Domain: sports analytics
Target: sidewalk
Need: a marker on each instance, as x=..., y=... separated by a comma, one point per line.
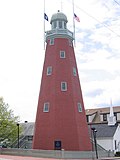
x=8, y=157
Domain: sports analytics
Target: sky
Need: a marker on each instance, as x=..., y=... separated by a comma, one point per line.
x=97, y=51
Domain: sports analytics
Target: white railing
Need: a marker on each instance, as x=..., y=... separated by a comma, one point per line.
x=59, y=32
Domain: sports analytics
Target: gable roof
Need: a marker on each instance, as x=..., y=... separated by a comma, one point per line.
x=102, y=110
x=103, y=130
x=28, y=128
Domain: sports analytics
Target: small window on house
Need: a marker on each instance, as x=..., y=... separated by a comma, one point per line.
x=46, y=107
x=52, y=41
x=87, y=118
x=115, y=114
x=74, y=71
x=79, y=107
x=104, y=117
x=62, y=54
x=63, y=86
x=49, y=70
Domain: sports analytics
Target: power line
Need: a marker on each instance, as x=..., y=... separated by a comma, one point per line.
x=117, y=2
x=97, y=20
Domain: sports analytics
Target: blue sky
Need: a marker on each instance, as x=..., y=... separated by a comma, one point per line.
x=22, y=51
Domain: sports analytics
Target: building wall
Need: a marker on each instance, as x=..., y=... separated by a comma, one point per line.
x=106, y=143
x=63, y=122
x=118, y=116
x=117, y=139
x=90, y=119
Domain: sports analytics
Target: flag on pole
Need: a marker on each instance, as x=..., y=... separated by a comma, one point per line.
x=76, y=17
x=45, y=17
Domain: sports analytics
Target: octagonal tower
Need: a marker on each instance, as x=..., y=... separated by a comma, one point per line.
x=60, y=119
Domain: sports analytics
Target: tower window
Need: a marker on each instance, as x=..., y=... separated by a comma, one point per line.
x=70, y=43
x=63, y=86
x=49, y=70
x=46, y=107
x=74, y=71
x=79, y=107
x=52, y=41
x=62, y=54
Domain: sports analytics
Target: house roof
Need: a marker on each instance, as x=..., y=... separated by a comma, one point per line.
x=102, y=110
x=103, y=130
x=28, y=128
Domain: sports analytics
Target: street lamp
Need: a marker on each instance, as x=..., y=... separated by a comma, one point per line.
x=18, y=133
x=94, y=136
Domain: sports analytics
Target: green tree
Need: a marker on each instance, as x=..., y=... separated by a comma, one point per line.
x=8, y=124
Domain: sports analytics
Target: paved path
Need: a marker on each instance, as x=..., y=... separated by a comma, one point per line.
x=9, y=157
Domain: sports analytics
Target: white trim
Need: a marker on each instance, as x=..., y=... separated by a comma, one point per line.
x=62, y=54
x=49, y=70
x=74, y=71
x=46, y=107
x=79, y=107
x=63, y=86
x=51, y=41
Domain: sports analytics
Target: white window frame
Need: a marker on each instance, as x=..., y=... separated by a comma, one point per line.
x=70, y=42
x=56, y=25
x=49, y=70
x=60, y=24
x=52, y=41
x=79, y=107
x=62, y=54
x=46, y=107
x=74, y=71
x=65, y=86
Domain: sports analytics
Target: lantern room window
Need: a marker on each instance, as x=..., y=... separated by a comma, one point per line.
x=60, y=24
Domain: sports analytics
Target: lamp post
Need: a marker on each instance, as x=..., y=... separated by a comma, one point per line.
x=94, y=136
x=18, y=133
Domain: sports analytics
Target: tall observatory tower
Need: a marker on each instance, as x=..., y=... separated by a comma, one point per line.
x=60, y=119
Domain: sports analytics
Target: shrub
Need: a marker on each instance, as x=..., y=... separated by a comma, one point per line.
x=117, y=154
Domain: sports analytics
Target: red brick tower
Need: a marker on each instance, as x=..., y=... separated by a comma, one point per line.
x=60, y=120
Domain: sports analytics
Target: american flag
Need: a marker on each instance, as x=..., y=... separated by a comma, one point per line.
x=76, y=17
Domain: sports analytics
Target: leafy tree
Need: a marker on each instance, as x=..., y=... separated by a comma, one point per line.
x=8, y=124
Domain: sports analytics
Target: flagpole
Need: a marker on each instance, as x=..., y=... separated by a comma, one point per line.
x=44, y=26
x=73, y=23
x=61, y=6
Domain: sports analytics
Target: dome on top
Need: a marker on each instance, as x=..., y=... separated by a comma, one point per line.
x=58, y=16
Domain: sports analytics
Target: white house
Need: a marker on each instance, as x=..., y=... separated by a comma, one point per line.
x=107, y=137
x=108, y=132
